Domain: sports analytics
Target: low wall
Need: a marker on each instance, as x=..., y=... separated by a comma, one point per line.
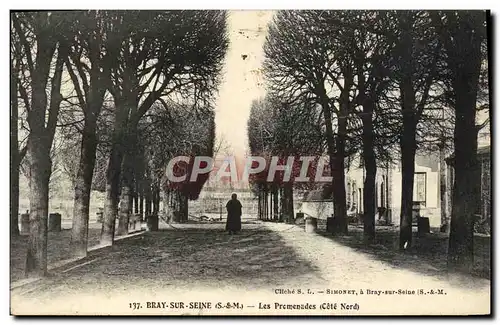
x=434, y=215
x=319, y=209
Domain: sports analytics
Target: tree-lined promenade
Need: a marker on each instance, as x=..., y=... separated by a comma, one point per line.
x=134, y=88
x=118, y=95
x=262, y=264
x=379, y=86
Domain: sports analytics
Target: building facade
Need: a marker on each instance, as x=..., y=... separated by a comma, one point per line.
x=426, y=193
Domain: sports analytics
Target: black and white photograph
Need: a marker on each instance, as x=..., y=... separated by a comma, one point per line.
x=209, y=162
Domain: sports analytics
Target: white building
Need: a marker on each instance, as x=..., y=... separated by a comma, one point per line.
x=387, y=193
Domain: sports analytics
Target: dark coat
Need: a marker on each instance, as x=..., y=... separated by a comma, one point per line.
x=233, y=222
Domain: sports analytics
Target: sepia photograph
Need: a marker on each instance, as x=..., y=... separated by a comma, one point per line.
x=250, y=162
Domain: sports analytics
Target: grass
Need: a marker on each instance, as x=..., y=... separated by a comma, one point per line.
x=57, y=249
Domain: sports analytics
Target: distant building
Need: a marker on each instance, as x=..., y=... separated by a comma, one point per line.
x=432, y=192
x=387, y=193
x=432, y=189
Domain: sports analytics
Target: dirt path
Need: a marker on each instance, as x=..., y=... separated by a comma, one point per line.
x=265, y=265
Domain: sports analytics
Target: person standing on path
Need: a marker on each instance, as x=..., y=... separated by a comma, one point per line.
x=233, y=207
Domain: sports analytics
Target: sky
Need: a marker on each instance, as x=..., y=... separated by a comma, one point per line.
x=242, y=80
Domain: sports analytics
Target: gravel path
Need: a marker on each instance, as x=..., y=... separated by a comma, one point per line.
x=266, y=265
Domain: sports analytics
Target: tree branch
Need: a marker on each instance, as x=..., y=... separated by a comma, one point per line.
x=55, y=94
x=24, y=42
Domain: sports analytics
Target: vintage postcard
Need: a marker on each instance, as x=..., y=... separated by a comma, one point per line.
x=242, y=162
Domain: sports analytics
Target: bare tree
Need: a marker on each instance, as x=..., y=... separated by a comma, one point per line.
x=282, y=130
x=16, y=154
x=88, y=69
x=307, y=58
x=463, y=35
x=47, y=31
x=151, y=68
x=415, y=59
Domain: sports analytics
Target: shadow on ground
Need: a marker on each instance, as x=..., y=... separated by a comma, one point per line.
x=58, y=248
x=193, y=257
x=427, y=255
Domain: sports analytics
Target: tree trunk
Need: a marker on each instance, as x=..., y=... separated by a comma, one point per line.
x=330, y=143
x=165, y=196
x=129, y=159
x=443, y=189
x=15, y=159
x=124, y=211
x=408, y=147
x=275, y=205
x=39, y=144
x=370, y=165
x=339, y=193
x=336, y=156
x=113, y=177
x=83, y=183
x=141, y=205
x=14, y=192
x=174, y=205
x=259, y=202
x=339, y=183
x=125, y=200
x=461, y=242
x=270, y=200
x=111, y=199
x=148, y=199
x=136, y=203
x=183, y=207
x=408, y=140
x=288, y=213
x=92, y=104
x=40, y=167
x=465, y=65
x=266, y=204
x=122, y=152
x=281, y=204
x=464, y=208
x=262, y=206
x=156, y=200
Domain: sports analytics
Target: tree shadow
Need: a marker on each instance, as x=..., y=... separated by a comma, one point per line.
x=428, y=254
x=58, y=248
x=192, y=257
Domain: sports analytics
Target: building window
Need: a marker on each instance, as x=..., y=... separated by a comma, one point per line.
x=382, y=195
x=420, y=187
x=360, y=198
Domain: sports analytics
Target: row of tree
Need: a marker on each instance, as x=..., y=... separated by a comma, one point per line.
x=283, y=131
x=383, y=84
x=134, y=87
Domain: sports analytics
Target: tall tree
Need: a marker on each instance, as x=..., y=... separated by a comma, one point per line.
x=151, y=68
x=48, y=31
x=371, y=53
x=277, y=129
x=169, y=131
x=415, y=60
x=16, y=154
x=463, y=34
x=88, y=68
x=307, y=57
